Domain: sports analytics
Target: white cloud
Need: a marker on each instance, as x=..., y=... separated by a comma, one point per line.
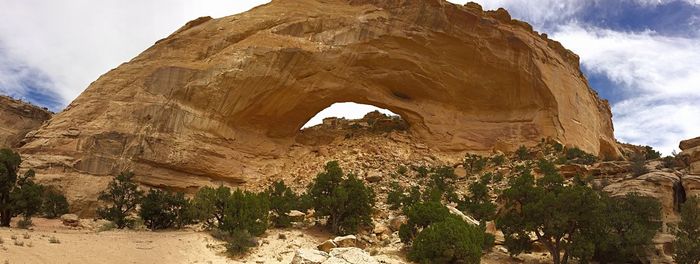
x=656, y=74
x=75, y=41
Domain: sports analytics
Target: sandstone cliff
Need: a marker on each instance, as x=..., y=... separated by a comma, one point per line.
x=18, y=118
x=222, y=100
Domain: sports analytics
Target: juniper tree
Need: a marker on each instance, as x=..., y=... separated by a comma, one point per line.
x=122, y=196
x=344, y=199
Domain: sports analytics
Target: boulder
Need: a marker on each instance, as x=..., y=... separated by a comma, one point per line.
x=309, y=256
x=380, y=228
x=70, y=220
x=346, y=241
x=396, y=222
x=326, y=246
x=373, y=177
x=350, y=256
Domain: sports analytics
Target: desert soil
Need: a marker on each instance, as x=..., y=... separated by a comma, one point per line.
x=123, y=246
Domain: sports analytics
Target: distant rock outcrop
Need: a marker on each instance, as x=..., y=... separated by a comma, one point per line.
x=223, y=100
x=18, y=118
x=691, y=154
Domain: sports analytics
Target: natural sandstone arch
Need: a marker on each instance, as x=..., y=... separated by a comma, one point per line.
x=220, y=100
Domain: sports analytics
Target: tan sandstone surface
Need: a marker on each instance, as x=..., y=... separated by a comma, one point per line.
x=221, y=101
x=691, y=154
x=18, y=118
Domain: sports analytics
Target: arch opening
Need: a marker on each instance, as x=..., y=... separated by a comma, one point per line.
x=348, y=119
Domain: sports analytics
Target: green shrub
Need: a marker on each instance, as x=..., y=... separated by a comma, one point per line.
x=522, y=153
x=442, y=182
x=19, y=195
x=25, y=223
x=398, y=197
x=669, y=162
x=553, y=211
x=687, y=244
x=498, y=160
x=208, y=205
x=650, y=153
x=346, y=201
x=421, y=215
x=448, y=241
x=474, y=163
x=122, y=196
x=246, y=211
x=239, y=241
x=638, y=165
x=422, y=171
x=627, y=228
x=478, y=203
x=402, y=170
x=576, y=155
x=282, y=201
x=161, y=209
x=55, y=203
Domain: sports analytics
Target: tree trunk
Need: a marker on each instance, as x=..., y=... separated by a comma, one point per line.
x=5, y=218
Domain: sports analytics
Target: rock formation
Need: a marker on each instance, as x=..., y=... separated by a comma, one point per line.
x=691, y=154
x=222, y=100
x=18, y=118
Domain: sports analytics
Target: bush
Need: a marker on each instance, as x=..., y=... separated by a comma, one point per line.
x=442, y=183
x=638, y=165
x=282, y=201
x=421, y=215
x=478, y=203
x=161, y=209
x=448, y=241
x=522, y=153
x=398, y=197
x=346, y=201
x=402, y=170
x=474, y=163
x=650, y=153
x=576, y=155
x=687, y=244
x=24, y=223
x=208, y=205
x=246, y=211
x=239, y=241
x=121, y=196
x=555, y=212
x=55, y=204
x=498, y=160
x=19, y=195
x=627, y=228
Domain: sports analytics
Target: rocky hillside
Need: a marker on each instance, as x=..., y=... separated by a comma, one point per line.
x=222, y=100
x=19, y=118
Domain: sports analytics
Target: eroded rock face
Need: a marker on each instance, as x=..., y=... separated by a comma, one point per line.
x=691, y=154
x=222, y=100
x=18, y=118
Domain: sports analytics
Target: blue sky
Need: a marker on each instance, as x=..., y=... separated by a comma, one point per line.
x=642, y=55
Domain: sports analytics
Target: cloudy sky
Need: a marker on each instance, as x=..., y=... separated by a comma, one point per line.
x=642, y=55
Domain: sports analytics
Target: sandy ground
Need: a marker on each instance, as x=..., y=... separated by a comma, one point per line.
x=122, y=246
x=87, y=245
